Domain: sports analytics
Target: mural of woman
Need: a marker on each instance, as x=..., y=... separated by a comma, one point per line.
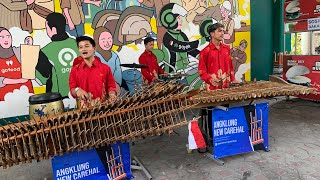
x=228, y=22
x=103, y=38
x=10, y=67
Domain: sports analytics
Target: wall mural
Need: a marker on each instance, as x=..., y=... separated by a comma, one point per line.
x=37, y=41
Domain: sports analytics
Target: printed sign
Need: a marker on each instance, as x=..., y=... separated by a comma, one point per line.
x=238, y=130
x=314, y=24
x=305, y=71
x=84, y=165
x=301, y=9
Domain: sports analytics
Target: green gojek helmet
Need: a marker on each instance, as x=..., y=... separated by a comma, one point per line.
x=169, y=14
x=204, y=26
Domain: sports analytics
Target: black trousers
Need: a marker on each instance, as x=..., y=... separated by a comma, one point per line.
x=205, y=123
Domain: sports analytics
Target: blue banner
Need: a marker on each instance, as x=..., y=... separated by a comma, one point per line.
x=84, y=165
x=240, y=130
x=94, y=164
x=126, y=158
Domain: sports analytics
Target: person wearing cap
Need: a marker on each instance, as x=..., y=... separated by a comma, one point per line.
x=215, y=63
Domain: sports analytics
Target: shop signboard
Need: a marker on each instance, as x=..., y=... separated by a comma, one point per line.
x=240, y=130
x=305, y=71
x=313, y=24
x=296, y=10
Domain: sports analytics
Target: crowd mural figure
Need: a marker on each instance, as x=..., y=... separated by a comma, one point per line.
x=118, y=28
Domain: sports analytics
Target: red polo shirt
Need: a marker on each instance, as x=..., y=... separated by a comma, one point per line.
x=150, y=60
x=216, y=64
x=97, y=79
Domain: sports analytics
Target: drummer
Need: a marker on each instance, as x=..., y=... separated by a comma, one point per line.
x=147, y=58
x=89, y=78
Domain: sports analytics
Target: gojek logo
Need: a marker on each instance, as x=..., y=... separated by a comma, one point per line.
x=10, y=69
x=316, y=67
x=66, y=57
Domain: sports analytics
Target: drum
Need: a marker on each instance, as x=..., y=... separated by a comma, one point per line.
x=47, y=104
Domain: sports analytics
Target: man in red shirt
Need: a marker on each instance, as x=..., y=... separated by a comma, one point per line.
x=215, y=63
x=215, y=68
x=89, y=78
x=149, y=59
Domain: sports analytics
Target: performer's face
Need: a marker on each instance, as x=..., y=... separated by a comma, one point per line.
x=105, y=41
x=218, y=34
x=149, y=46
x=86, y=49
x=5, y=39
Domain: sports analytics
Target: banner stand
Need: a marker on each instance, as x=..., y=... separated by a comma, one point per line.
x=236, y=129
x=218, y=161
x=137, y=165
x=205, y=126
x=210, y=153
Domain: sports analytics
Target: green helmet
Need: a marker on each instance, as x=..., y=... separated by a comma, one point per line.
x=204, y=26
x=169, y=14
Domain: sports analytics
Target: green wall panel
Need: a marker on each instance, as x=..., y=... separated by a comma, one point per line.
x=261, y=38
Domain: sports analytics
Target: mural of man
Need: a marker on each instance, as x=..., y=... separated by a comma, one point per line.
x=176, y=45
x=38, y=22
x=61, y=52
x=15, y=13
x=158, y=4
x=228, y=22
x=72, y=10
x=238, y=55
x=194, y=7
x=211, y=12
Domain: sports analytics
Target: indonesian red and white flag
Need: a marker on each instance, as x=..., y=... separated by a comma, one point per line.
x=195, y=138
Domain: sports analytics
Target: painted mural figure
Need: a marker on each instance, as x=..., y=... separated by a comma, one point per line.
x=238, y=55
x=214, y=11
x=16, y=14
x=72, y=10
x=126, y=26
x=10, y=67
x=103, y=38
x=119, y=5
x=194, y=7
x=176, y=45
x=39, y=22
x=211, y=12
x=158, y=4
x=42, y=61
x=61, y=52
x=228, y=22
